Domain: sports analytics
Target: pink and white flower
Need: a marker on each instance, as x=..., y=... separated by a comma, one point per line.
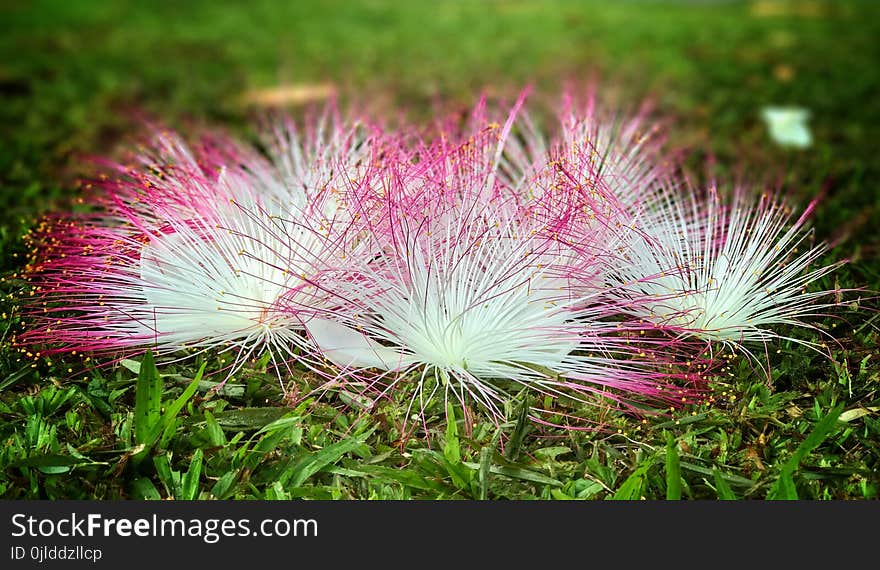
x=726, y=273
x=472, y=295
x=473, y=264
x=214, y=250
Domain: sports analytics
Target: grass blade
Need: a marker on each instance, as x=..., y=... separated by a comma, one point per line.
x=148, y=402
x=170, y=478
x=407, y=477
x=784, y=487
x=728, y=478
x=144, y=489
x=225, y=485
x=485, y=466
x=310, y=464
x=519, y=432
x=517, y=473
x=451, y=447
x=631, y=489
x=243, y=419
x=673, y=470
x=725, y=493
x=189, y=486
x=169, y=418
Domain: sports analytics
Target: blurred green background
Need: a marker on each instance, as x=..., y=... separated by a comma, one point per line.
x=76, y=77
x=73, y=75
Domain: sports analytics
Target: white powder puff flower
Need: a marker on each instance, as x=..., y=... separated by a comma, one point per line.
x=214, y=248
x=725, y=273
x=471, y=297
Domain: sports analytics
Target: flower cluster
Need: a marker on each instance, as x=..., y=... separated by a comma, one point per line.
x=473, y=262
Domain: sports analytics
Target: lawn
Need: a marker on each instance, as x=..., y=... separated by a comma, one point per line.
x=76, y=79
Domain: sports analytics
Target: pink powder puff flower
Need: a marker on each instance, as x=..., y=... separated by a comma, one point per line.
x=697, y=268
x=470, y=296
x=596, y=178
x=197, y=250
x=591, y=152
x=727, y=273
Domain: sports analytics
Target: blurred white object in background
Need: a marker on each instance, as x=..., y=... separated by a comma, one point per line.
x=788, y=126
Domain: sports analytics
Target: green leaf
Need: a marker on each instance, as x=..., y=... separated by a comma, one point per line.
x=310, y=464
x=170, y=479
x=735, y=479
x=14, y=377
x=213, y=431
x=170, y=415
x=224, y=485
x=51, y=461
x=189, y=486
x=784, y=487
x=282, y=423
x=673, y=469
x=631, y=489
x=132, y=365
x=560, y=496
x=53, y=469
x=451, y=447
x=264, y=446
x=725, y=493
x=148, y=402
x=226, y=389
x=549, y=454
x=602, y=472
x=461, y=477
x=519, y=432
x=857, y=413
x=249, y=418
x=142, y=488
x=406, y=477
x=276, y=493
x=98, y=396
x=517, y=473
x=485, y=469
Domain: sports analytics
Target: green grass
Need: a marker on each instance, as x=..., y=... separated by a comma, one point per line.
x=75, y=76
